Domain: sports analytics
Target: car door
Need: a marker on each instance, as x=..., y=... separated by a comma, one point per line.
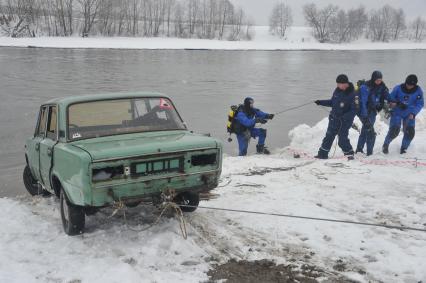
x=33, y=145
x=47, y=144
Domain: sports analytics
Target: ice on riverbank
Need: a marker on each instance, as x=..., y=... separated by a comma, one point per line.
x=298, y=38
x=33, y=247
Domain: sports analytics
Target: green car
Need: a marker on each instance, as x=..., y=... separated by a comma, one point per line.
x=98, y=150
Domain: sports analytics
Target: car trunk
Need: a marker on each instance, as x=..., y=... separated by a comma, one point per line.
x=154, y=143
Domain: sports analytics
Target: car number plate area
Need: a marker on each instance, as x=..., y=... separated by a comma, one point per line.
x=155, y=167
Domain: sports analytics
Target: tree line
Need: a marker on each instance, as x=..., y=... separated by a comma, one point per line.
x=336, y=25
x=207, y=19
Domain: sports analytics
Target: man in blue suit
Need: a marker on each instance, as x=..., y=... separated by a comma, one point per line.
x=344, y=105
x=245, y=122
x=372, y=96
x=406, y=101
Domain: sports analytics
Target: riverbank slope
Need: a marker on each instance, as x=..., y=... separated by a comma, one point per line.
x=297, y=38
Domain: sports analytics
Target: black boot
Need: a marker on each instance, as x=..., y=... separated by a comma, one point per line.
x=403, y=151
x=262, y=149
x=350, y=155
x=385, y=149
x=359, y=151
x=322, y=154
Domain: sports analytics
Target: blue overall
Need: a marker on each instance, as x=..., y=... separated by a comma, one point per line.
x=248, y=130
x=408, y=102
x=343, y=111
x=372, y=99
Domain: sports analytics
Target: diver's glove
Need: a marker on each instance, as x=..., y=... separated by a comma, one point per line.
x=261, y=121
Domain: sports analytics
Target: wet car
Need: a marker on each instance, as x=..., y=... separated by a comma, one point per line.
x=95, y=151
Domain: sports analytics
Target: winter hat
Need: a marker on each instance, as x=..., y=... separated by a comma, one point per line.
x=411, y=80
x=342, y=79
x=376, y=75
x=248, y=101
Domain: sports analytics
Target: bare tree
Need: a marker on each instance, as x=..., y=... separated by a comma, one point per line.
x=169, y=6
x=89, y=10
x=348, y=26
x=18, y=18
x=381, y=24
x=339, y=27
x=320, y=20
x=236, y=25
x=398, y=23
x=357, y=20
x=281, y=18
x=179, y=21
x=418, y=29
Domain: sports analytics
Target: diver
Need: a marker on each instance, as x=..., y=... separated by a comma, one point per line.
x=373, y=95
x=406, y=101
x=344, y=105
x=246, y=119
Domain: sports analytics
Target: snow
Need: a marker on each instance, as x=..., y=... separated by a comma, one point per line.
x=297, y=38
x=33, y=247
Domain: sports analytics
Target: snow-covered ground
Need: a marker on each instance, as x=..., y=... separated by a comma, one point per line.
x=33, y=247
x=297, y=38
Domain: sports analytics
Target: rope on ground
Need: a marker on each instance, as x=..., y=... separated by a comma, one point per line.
x=313, y=218
x=227, y=180
x=318, y=173
x=407, y=161
x=346, y=169
x=165, y=206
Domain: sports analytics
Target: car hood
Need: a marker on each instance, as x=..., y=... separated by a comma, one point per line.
x=125, y=146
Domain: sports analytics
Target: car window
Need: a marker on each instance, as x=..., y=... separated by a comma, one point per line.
x=51, y=123
x=122, y=116
x=41, y=130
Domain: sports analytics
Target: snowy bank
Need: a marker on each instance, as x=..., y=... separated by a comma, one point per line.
x=33, y=247
x=298, y=38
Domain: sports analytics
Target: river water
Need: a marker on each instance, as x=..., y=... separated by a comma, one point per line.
x=202, y=84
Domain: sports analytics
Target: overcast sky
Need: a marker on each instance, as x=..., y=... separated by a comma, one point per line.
x=259, y=10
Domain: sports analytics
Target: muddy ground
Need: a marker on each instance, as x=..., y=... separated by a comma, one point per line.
x=267, y=271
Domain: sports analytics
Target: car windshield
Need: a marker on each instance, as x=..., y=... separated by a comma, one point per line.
x=122, y=116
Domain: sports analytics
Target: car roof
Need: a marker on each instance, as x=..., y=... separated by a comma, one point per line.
x=105, y=96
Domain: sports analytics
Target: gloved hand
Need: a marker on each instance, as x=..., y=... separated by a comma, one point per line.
x=402, y=106
x=411, y=116
x=270, y=116
x=261, y=121
x=317, y=102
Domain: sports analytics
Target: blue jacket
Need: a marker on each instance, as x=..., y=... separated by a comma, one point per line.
x=248, y=120
x=408, y=102
x=372, y=98
x=343, y=103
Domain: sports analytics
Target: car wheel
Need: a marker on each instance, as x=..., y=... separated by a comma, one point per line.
x=30, y=182
x=188, y=198
x=133, y=204
x=89, y=211
x=73, y=218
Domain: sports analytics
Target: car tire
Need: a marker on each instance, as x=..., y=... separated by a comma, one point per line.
x=73, y=216
x=30, y=182
x=133, y=204
x=188, y=198
x=32, y=185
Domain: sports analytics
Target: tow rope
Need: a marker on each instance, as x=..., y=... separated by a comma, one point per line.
x=294, y=108
x=120, y=206
x=313, y=218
